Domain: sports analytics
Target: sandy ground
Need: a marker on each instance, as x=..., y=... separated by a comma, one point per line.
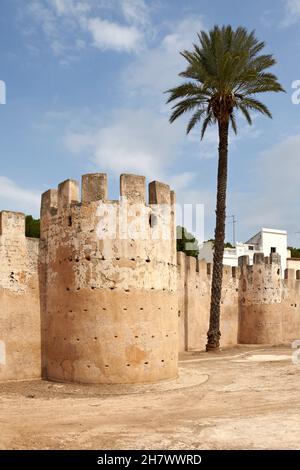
x=243, y=398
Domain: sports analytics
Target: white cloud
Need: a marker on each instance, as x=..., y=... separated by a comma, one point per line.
x=45, y=16
x=208, y=147
x=135, y=11
x=279, y=166
x=71, y=25
x=143, y=142
x=14, y=197
x=292, y=12
x=108, y=35
x=157, y=69
x=272, y=199
x=182, y=180
x=71, y=7
x=140, y=141
x=59, y=21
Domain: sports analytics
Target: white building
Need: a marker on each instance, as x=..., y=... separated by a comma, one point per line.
x=266, y=241
x=271, y=241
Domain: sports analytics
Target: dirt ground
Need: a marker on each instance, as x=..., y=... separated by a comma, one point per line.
x=242, y=398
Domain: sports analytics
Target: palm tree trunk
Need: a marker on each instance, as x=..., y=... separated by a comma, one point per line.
x=214, y=334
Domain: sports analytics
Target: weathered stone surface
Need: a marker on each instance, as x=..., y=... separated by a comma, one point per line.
x=104, y=298
x=260, y=296
x=159, y=193
x=67, y=193
x=133, y=188
x=194, y=287
x=20, y=343
x=110, y=309
x=94, y=187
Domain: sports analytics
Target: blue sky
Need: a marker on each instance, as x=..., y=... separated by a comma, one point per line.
x=85, y=82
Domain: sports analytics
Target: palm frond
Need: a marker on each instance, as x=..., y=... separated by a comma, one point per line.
x=233, y=123
x=195, y=119
x=225, y=71
x=255, y=105
x=189, y=89
x=184, y=106
x=208, y=121
x=246, y=113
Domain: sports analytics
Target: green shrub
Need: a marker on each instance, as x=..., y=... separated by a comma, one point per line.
x=32, y=227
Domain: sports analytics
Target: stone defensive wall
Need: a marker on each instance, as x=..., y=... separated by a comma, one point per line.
x=269, y=306
x=257, y=305
x=194, y=287
x=103, y=297
x=20, y=344
x=109, y=310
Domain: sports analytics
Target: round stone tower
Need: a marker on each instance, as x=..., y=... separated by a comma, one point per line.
x=108, y=275
x=260, y=294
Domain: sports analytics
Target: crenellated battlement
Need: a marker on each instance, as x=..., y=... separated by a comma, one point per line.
x=259, y=259
x=94, y=187
x=203, y=270
x=264, y=272
x=12, y=224
x=129, y=217
x=114, y=261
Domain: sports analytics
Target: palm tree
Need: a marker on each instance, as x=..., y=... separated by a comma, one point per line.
x=225, y=72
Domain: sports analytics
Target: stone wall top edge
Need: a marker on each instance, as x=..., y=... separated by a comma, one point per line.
x=94, y=188
x=12, y=224
x=200, y=267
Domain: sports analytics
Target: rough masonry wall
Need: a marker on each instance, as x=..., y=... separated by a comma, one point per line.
x=260, y=300
x=102, y=308
x=257, y=305
x=20, y=351
x=109, y=310
x=269, y=306
x=194, y=286
x=291, y=306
